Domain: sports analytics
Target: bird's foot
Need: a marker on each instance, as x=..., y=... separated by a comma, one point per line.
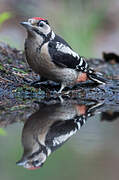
x=61, y=99
x=67, y=94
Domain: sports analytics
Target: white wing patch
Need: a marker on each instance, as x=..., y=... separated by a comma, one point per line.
x=60, y=139
x=65, y=49
x=63, y=138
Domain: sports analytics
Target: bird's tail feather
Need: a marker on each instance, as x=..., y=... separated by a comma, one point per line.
x=96, y=77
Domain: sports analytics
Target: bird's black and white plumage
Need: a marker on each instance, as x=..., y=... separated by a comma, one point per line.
x=51, y=56
x=64, y=56
x=49, y=128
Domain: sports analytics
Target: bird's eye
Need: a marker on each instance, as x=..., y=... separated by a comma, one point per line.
x=34, y=163
x=41, y=24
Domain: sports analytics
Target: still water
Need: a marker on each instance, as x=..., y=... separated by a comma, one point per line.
x=68, y=140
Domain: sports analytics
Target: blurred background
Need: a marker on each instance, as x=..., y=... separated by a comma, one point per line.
x=90, y=27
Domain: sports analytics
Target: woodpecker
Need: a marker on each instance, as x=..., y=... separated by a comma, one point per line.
x=50, y=56
x=49, y=128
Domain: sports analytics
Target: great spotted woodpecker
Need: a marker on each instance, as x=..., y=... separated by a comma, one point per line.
x=49, y=128
x=51, y=56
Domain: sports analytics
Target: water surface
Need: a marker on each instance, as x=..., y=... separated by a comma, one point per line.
x=81, y=139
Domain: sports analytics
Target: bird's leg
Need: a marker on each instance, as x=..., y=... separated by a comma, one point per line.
x=61, y=99
x=62, y=87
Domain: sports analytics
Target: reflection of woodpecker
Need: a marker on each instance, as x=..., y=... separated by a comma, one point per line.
x=50, y=127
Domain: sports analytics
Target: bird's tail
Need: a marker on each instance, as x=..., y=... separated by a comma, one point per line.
x=96, y=77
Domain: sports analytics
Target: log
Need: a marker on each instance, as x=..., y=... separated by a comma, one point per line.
x=18, y=98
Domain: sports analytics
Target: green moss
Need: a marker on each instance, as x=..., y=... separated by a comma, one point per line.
x=2, y=68
x=19, y=107
x=9, y=61
x=30, y=89
x=26, y=88
x=19, y=70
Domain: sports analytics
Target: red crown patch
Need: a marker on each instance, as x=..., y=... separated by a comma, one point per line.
x=38, y=18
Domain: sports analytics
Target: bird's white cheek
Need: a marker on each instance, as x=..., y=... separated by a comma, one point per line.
x=47, y=31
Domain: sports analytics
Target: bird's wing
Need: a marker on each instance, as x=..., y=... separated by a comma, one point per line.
x=60, y=132
x=63, y=56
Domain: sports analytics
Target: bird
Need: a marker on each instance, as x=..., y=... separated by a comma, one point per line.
x=50, y=56
x=50, y=127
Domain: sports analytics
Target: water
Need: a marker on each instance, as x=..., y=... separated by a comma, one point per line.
x=81, y=139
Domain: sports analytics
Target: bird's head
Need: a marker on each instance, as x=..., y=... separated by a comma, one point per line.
x=32, y=161
x=37, y=26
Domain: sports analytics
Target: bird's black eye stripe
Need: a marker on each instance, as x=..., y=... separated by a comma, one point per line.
x=35, y=162
x=40, y=24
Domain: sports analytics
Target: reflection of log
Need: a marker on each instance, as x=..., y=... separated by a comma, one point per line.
x=15, y=77
x=109, y=116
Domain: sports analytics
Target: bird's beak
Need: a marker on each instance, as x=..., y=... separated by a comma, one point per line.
x=27, y=25
x=25, y=165
x=21, y=163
